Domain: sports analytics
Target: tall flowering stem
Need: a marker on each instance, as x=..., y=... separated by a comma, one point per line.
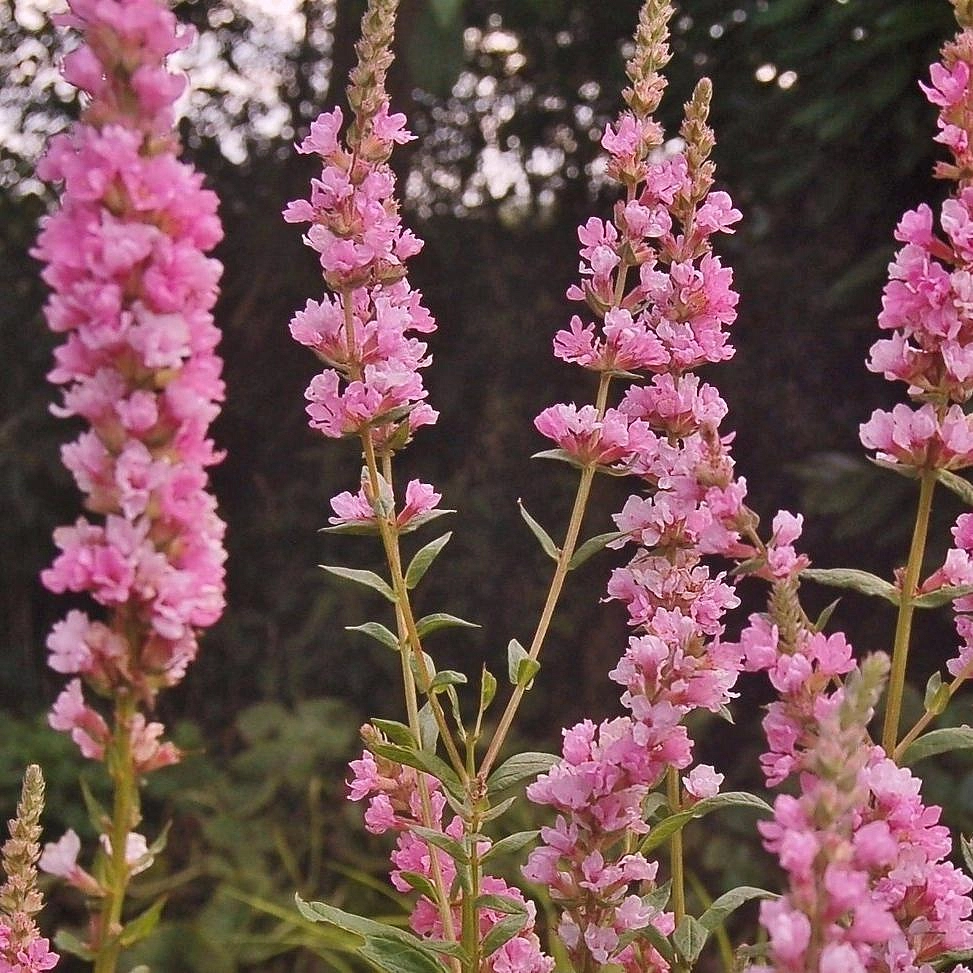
x=662, y=302
x=925, y=307
x=132, y=294
x=22, y=948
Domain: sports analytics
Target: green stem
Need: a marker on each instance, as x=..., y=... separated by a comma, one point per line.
x=553, y=594
x=676, y=866
x=125, y=816
x=903, y=627
x=412, y=644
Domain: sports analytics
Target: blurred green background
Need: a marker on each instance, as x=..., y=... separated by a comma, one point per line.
x=823, y=141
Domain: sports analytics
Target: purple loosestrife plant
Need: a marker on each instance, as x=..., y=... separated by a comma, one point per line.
x=926, y=309
x=869, y=886
x=22, y=948
x=132, y=294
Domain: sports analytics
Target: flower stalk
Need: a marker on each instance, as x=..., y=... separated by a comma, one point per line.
x=903, y=625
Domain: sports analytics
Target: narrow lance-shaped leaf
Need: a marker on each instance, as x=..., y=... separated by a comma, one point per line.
x=378, y=632
x=502, y=932
x=862, y=581
x=519, y=768
x=548, y=545
x=676, y=822
x=428, y=729
x=396, y=732
x=938, y=741
x=936, y=697
x=367, y=578
x=966, y=846
x=717, y=913
x=423, y=559
x=690, y=938
x=421, y=760
x=488, y=689
x=958, y=484
x=942, y=596
x=144, y=924
x=434, y=622
x=592, y=546
x=521, y=668
x=395, y=956
x=447, y=677
x=511, y=844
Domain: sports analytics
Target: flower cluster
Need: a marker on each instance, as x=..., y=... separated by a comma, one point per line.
x=365, y=332
x=22, y=948
x=132, y=294
x=394, y=804
x=928, y=300
x=664, y=301
x=870, y=886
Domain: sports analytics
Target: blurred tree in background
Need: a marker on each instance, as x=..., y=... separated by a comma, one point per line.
x=823, y=141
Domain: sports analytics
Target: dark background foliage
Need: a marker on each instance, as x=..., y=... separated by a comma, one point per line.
x=823, y=140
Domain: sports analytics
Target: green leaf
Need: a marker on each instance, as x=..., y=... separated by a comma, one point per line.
x=518, y=768
x=434, y=622
x=947, y=961
x=716, y=914
x=511, y=844
x=690, y=938
x=958, y=484
x=936, y=697
x=660, y=942
x=67, y=943
x=420, y=564
x=501, y=903
x=448, y=949
x=97, y=815
x=424, y=519
x=143, y=925
x=428, y=729
x=667, y=827
x=396, y=732
x=561, y=455
x=347, y=921
x=488, y=689
x=423, y=667
x=378, y=632
x=942, y=596
x=447, y=677
x=938, y=741
x=359, y=530
x=498, y=810
x=825, y=615
x=966, y=846
x=421, y=884
x=367, y=578
x=502, y=932
x=397, y=956
x=521, y=668
x=867, y=584
x=652, y=804
x=421, y=760
x=592, y=546
x=659, y=897
x=548, y=545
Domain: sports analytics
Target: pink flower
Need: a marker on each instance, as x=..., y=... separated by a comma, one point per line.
x=703, y=781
